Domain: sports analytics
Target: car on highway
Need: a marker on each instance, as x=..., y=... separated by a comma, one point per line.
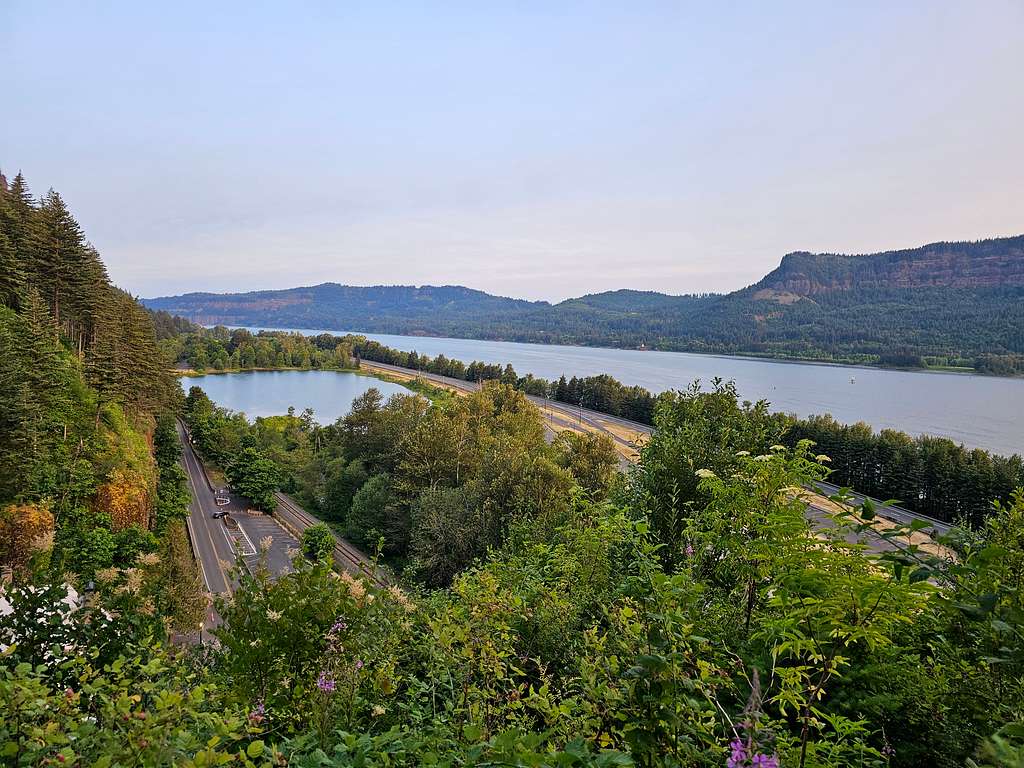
x=220, y=514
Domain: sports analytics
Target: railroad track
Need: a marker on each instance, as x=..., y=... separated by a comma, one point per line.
x=345, y=555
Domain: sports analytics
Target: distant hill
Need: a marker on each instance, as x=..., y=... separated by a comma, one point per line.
x=944, y=303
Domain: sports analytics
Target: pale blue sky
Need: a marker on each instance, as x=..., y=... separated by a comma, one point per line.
x=538, y=149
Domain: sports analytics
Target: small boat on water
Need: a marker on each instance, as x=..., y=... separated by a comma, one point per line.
x=853, y=380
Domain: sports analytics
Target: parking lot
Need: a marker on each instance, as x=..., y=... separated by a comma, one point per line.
x=256, y=528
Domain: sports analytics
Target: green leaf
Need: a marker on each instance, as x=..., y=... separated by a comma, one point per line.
x=255, y=749
x=920, y=574
x=867, y=510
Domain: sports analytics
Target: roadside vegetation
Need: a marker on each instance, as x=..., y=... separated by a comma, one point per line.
x=551, y=611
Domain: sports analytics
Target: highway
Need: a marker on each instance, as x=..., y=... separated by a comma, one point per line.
x=217, y=542
x=211, y=546
x=889, y=511
x=562, y=416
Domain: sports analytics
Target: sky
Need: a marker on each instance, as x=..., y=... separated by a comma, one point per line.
x=538, y=150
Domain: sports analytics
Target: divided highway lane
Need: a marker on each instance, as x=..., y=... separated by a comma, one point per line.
x=211, y=545
x=888, y=511
x=212, y=538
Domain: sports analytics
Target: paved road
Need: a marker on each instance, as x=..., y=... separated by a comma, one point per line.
x=889, y=511
x=218, y=541
x=211, y=545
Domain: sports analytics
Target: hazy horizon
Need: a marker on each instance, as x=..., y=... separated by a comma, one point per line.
x=554, y=301
x=528, y=151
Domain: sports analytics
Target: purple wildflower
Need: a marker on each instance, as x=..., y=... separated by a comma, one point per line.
x=742, y=757
x=325, y=683
x=257, y=713
x=338, y=626
x=689, y=550
x=738, y=758
x=359, y=664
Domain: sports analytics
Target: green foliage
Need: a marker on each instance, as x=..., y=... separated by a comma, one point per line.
x=317, y=542
x=375, y=515
x=446, y=524
x=696, y=430
x=86, y=549
x=219, y=349
x=81, y=378
x=930, y=475
x=704, y=618
x=343, y=481
x=591, y=459
x=254, y=476
x=140, y=709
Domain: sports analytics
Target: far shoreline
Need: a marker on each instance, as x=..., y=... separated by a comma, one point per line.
x=946, y=370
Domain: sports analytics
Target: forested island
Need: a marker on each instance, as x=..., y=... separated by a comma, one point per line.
x=549, y=610
x=946, y=305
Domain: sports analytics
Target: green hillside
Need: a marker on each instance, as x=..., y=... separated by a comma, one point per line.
x=942, y=304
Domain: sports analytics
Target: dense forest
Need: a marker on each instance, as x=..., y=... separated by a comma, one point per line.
x=89, y=478
x=548, y=610
x=218, y=349
x=577, y=616
x=944, y=304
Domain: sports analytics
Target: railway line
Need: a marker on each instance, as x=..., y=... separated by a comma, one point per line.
x=345, y=554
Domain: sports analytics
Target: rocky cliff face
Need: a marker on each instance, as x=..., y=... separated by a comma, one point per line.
x=983, y=264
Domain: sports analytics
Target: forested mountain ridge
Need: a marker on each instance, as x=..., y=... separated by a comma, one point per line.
x=377, y=304
x=959, y=304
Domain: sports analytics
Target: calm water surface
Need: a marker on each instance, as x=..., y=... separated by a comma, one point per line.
x=979, y=411
x=270, y=393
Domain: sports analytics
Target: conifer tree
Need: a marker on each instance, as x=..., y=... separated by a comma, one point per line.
x=12, y=276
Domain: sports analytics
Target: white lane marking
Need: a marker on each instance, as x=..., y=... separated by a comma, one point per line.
x=199, y=559
x=187, y=454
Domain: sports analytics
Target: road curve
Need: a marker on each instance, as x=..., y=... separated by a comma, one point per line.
x=569, y=415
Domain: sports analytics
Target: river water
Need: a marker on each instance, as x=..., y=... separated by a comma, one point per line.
x=979, y=411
